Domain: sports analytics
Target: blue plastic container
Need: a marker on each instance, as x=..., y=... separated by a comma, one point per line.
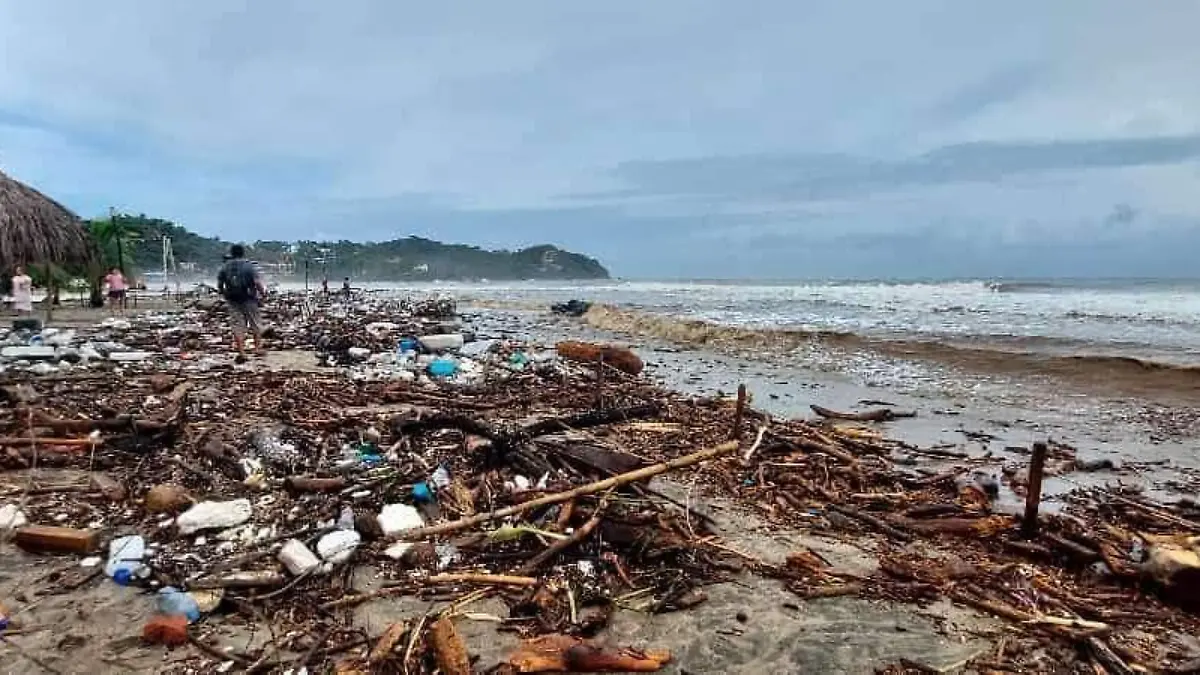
x=443, y=368
x=421, y=493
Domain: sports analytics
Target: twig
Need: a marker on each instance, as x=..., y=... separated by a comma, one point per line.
x=757, y=442
x=563, y=544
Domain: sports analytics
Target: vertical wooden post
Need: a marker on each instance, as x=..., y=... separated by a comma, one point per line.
x=739, y=412
x=1029, y=527
x=600, y=382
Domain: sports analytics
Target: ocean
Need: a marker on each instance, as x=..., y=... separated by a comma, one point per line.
x=1136, y=337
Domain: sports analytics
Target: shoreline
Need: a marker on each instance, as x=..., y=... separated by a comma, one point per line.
x=1142, y=435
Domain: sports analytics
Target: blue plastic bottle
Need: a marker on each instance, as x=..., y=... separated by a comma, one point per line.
x=174, y=602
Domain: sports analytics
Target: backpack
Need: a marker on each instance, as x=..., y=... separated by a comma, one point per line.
x=239, y=281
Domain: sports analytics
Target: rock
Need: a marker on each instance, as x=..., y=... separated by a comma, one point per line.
x=337, y=546
x=11, y=517
x=1174, y=563
x=167, y=498
x=161, y=383
x=421, y=556
x=214, y=516
x=442, y=343
x=111, y=488
x=396, y=518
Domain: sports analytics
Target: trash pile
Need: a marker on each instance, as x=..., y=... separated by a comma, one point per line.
x=523, y=475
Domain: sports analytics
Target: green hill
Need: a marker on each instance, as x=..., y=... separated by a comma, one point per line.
x=411, y=258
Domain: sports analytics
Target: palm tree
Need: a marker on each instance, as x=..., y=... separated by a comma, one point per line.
x=115, y=237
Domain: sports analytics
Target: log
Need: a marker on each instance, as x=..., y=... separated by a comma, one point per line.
x=878, y=415
x=1037, y=464
x=593, y=418
x=314, y=484
x=405, y=424
x=25, y=441
x=488, y=579
x=241, y=580
x=739, y=412
x=621, y=358
x=558, y=498
x=561, y=545
x=566, y=654
x=49, y=539
x=387, y=642
x=1109, y=659
x=871, y=520
x=834, y=591
x=827, y=448
x=115, y=424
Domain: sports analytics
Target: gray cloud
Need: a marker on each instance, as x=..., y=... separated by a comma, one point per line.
x=816, y=177
x=682, y=137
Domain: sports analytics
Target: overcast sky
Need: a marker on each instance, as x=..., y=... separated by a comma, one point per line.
x=689, y=138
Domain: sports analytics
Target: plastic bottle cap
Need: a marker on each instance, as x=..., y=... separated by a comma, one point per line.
x=122, y=577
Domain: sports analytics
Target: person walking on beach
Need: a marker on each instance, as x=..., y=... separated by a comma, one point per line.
x=325, y=286
x=22, y=292
x=346, y=289
x=118, y=287
x=243, y=290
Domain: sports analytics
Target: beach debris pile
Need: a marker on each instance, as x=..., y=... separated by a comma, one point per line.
x=529, y=495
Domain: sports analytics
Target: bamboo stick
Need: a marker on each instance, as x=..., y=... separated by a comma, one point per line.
x=558, y=498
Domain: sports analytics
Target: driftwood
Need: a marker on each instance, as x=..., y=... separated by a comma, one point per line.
x=387, y=642
x=871, y=520
x=594, y=418
x=314, y=484
x=877, y=415
x=558, y=498
x=565, y=654
x=487, y=579
x=24, y=441
x=449, y=651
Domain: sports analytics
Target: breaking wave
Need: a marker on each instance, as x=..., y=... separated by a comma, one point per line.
x=1038, y=356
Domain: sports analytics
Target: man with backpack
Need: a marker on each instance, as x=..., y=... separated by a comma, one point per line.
x=242, y=288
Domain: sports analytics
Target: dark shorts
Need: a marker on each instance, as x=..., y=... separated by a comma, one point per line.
x=116, y=295
x=245, y=315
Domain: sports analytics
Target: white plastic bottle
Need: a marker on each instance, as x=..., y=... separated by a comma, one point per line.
x=125, y=556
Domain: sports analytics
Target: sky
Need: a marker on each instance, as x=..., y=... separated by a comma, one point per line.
x=674, y=138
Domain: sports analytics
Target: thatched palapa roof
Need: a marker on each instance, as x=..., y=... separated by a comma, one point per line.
x=35, y=229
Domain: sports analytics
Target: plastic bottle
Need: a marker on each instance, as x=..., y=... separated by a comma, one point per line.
x=443, y=368
x=174, y=602
x=440, y=479
x=297, y=557
x=421, y=493
x=125, y=556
